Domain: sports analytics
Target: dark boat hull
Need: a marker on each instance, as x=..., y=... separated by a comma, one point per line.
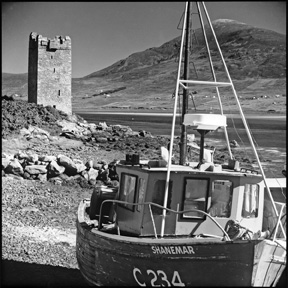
x=113, y=260
x=106, y=261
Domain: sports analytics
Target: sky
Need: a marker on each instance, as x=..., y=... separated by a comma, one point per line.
x=103, y=33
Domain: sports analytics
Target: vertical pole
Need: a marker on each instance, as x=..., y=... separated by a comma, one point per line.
x=183, y=138
x=201, y=157
x=173, y=128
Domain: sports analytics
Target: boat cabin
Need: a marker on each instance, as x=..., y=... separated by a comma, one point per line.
x=224, y=195
x=222, y=192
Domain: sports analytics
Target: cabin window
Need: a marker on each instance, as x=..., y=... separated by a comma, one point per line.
x=158, y=196
x=141, y=193
x=195, y=197
x=128, y=190
x=250, y=201
x=221, y=198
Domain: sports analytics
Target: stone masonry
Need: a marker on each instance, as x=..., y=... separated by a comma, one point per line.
x=49, y=72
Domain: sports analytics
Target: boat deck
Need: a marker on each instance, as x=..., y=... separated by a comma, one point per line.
x=145, y=165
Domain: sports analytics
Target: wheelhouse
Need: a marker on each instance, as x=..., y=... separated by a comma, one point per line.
x=225, y=195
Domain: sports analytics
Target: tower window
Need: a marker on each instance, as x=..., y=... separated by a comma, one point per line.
x=58, y=92
x=54, y=70
x=51, y=56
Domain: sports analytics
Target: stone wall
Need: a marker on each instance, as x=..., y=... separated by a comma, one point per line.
x=49, y=72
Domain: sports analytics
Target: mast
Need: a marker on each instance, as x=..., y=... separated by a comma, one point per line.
x=173, y=126
x=183, y=137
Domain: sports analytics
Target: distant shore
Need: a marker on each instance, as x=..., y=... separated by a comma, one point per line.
x=170, y=112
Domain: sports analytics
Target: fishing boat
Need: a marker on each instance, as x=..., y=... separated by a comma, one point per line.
x=187, y=224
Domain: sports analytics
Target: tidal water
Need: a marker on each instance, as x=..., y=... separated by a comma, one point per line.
x=266, y=131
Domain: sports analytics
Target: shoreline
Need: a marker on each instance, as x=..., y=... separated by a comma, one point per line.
x=119, y=111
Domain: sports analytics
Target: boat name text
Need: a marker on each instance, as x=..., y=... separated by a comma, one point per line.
x=172, y=250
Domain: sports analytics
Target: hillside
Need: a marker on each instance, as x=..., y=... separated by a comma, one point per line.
x=256, y=59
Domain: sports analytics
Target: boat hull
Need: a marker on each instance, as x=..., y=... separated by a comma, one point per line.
x=110, y=260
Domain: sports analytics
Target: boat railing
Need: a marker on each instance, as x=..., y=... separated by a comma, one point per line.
x=279, y=219
x=100, y=225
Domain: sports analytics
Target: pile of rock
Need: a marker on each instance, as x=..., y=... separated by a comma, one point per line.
x=100, y=133
x=59, y=169
x=19, y=114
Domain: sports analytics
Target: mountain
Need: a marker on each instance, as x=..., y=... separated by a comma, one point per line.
x=14, y=84
x=255, y=57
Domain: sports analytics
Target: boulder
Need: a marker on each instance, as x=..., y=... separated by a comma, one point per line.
x=101, y=139
x=14, y=167
x=53, y=169
x=80, y=167
x=21, y=155
x=71, y=128
x=144, y=133
x=46, y=158
x=9, y=156
x=92, y=175
x=5, y=162
x=36, y=169
x=32, y=158
x=70, y=167
x=121, y=128
x=85, y=174
x=64, y=177
x=26, y=175
x=103, y=125
x=87, y=133
x=77, y=161
x=14, y=176
x=34, y=130
x=42, y=177
x=89, y=164
x=97, y=166
x=103, y=175
x=92, y=127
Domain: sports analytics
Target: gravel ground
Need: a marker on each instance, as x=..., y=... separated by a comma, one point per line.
x=38, y=222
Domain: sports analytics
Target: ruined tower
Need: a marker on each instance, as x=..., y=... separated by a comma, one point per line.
x=49, y=72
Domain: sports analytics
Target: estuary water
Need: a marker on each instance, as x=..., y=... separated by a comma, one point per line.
x=267, y=131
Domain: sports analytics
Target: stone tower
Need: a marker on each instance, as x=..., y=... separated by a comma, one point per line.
x=49, y=72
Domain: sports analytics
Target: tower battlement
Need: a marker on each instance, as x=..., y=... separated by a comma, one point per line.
x=50, y=71
x=58, y=42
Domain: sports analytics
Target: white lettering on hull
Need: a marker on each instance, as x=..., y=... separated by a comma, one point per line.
x=172, y=250
x=156, y=278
